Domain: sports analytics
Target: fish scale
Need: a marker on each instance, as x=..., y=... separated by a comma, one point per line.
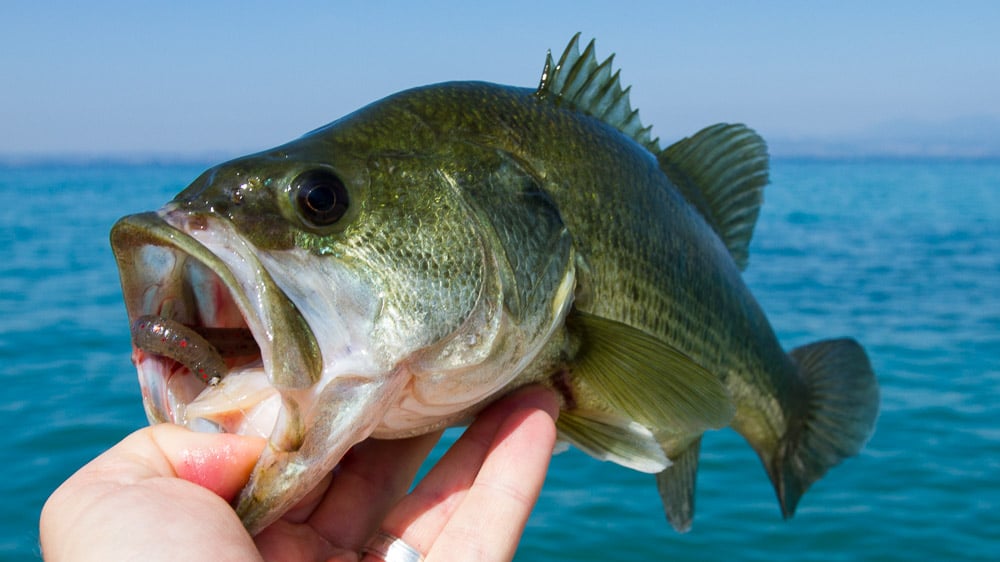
x=487, y=237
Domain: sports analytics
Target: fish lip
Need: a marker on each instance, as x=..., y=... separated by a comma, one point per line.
x=166, y=271
x=156, y=264
x=291, y=364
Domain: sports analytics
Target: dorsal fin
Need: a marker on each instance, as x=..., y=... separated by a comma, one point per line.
x=722, y=171
x=579, y=82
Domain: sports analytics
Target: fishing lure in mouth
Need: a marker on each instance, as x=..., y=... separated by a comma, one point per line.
x=201, y=350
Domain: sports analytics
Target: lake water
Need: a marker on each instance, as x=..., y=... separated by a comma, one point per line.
x=902, y=255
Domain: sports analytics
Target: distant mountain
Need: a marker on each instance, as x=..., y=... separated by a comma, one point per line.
x=965, y=137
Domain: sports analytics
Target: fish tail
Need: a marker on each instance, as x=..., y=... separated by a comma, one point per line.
x=841, y=408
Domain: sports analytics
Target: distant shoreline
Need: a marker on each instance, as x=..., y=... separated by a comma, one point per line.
x=210, y=159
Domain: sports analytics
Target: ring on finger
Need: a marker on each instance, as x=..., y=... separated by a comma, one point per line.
x=391, y=548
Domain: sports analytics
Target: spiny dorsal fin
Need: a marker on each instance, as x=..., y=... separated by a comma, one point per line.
x=579, y=82
x=722, y=171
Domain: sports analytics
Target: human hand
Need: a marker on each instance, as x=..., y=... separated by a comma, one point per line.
x=164, y=493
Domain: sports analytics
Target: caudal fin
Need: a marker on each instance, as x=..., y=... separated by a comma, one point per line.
x=842, y=404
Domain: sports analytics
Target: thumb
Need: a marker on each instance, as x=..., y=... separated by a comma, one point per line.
x=220, y=462
x=137, y=492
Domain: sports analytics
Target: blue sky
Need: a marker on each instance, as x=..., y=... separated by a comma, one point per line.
x=186, y=77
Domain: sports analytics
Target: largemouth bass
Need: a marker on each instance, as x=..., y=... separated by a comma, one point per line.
x=395, y=271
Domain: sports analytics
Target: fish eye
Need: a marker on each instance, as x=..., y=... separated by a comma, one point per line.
x=320, y=197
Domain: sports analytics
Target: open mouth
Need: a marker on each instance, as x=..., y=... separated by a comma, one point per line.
x=219, y=346
x=195, y=345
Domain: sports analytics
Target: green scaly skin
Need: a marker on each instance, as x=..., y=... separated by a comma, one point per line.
x=473, y=198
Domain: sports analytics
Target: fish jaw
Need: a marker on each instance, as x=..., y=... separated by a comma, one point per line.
x=194, y=269
x=347, y=411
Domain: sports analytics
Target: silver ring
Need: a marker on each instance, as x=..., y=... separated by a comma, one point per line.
x=391, y=549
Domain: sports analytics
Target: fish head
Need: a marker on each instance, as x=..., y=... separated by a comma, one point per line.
x=379, y=295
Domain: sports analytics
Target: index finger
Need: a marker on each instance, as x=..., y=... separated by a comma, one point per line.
x=491, y=517
x=501, y=458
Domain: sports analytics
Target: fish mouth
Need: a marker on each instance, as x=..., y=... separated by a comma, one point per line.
x=192, y=276
x=186, y=306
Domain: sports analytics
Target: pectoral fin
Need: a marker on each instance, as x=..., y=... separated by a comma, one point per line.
x=647, y=380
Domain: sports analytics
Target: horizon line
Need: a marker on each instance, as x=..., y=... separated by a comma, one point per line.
x=167, y=158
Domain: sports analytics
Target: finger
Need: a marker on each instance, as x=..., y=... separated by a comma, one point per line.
x=491, y=517
x=130, y=496
x=372, y=478
x=421, y=516
x=220, y=462
x=339, y=515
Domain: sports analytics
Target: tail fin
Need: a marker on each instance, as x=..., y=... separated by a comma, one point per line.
x=841, y=407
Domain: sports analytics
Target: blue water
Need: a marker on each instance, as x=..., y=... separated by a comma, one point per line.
x=903, y=255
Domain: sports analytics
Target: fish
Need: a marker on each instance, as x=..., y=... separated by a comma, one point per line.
x=395, y=271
